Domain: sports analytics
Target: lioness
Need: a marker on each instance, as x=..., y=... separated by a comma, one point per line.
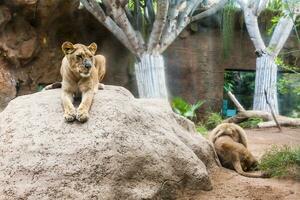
x=230, y=142
x=81, y=72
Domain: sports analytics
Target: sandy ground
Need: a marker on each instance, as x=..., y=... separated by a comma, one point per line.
x=228, y=185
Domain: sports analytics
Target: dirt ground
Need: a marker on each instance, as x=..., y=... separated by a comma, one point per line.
x=228, y=185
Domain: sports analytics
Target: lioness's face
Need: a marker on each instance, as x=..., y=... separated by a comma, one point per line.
x=80, y=57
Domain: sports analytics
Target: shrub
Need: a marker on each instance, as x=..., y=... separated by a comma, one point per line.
x=252, y=122
x=281, y=162
x=181, y=107
x=202, y=129
x=213, y=120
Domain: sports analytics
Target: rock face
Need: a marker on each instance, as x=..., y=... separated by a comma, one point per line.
x=129, y=149
x=7, y=86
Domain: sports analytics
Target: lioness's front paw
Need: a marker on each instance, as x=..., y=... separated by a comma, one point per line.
x=69, y=116
x=101, y=86
x=82, y=116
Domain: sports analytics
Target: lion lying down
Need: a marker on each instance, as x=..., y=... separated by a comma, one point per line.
x=230, y=142
x=81, y=72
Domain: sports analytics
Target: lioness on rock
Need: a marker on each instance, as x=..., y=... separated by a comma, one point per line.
x=81, y=72
x=230, y=142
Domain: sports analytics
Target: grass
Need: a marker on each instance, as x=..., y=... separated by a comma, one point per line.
x=251, y=122
x=213, y=120
x=202, y=129
x=282, y=162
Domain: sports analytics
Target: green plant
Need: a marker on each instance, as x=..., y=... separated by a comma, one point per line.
x=228, y=19
x=229, y=81
x=182, y=107
x=202, y=129
x=251, y=122
x=274, y=5
x=213, y=120
x=281, y=162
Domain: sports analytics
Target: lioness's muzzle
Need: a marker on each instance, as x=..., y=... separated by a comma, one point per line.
x=87, y=63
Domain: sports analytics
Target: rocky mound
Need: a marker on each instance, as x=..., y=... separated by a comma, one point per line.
x=129, y=149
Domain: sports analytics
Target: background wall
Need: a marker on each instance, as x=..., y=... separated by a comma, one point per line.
x=31, y=33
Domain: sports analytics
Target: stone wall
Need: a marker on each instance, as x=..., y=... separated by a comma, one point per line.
x=195, y=65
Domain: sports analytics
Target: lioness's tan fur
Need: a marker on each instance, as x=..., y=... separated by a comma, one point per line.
x=230, y=142
x=78, y=79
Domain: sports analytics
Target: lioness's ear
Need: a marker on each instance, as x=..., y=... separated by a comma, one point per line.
x=93, y=47
x=67, y=48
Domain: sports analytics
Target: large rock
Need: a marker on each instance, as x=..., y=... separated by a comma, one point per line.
x=129, y=149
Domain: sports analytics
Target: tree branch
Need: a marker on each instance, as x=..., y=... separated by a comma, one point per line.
x=253, y=28
x=94, y=8
x=261, y=6
x=210, y=11
x=119, y=15
x=281, y=33
x=242, y=3
x=183, y=18
x=159, y=24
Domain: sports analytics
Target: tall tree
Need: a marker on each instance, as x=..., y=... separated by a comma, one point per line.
x=165, y=20
x=266, y=68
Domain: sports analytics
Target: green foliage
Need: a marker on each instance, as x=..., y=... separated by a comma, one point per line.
x=288, y=85
x=280, y=63
x=228, y=87
x=281, y=162
x=274, y=21
x=213, y=120
x=277, y=7
x=251, y=122
x=274, y=5
x=182, y=107
x=202, y=129
x=242, y=85
x=228, y=19
x=295, y=113
x=228, y=82
x=141, y=15
x=283, y=85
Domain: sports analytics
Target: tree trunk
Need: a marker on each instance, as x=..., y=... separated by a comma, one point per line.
x=266, y=79
x=150, y=76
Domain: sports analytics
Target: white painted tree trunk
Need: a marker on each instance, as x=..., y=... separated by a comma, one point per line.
x=150, y=76
x=265, y=79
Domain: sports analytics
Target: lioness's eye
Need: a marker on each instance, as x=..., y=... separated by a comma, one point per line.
x=79, y=57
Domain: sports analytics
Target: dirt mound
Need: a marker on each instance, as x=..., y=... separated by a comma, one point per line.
x=129, y=149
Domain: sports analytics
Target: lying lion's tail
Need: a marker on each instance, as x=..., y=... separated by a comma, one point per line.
x=52, y=86
x=238, y=168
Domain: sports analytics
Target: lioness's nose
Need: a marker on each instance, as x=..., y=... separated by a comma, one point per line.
x=87, y=64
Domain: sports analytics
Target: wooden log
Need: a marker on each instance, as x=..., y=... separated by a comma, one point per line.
x=286, y=121
x=267, y=118
x=236, y=102
x=244, y=115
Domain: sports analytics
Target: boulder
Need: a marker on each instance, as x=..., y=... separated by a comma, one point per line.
x=129, y=149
